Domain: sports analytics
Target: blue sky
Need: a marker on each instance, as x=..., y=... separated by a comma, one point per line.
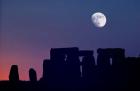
x=29, y=28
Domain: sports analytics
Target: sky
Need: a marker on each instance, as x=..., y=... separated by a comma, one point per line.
x=30, y=28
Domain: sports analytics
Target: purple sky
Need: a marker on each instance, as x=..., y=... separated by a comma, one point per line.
x=29, y=28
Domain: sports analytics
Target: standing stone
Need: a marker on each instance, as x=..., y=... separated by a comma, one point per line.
x=14, y=75
x=32, y=75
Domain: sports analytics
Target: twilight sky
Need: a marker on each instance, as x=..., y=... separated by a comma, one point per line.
x=29, y=28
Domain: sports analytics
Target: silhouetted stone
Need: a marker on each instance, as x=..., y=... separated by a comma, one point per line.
x=66, y=65
x=57, y=71
x=111, y=73
x=89, y=71
x=47, y=69
x=49, y=79
x=32, y=75
x=14, y=76
x=58, y=55
x=133, y=67
x=62, y=72
x=85, y=53
x=116, y=55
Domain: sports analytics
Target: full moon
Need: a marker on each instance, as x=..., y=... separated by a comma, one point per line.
x=99, y=19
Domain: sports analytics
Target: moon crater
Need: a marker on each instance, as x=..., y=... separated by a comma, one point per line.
x=99, y=19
